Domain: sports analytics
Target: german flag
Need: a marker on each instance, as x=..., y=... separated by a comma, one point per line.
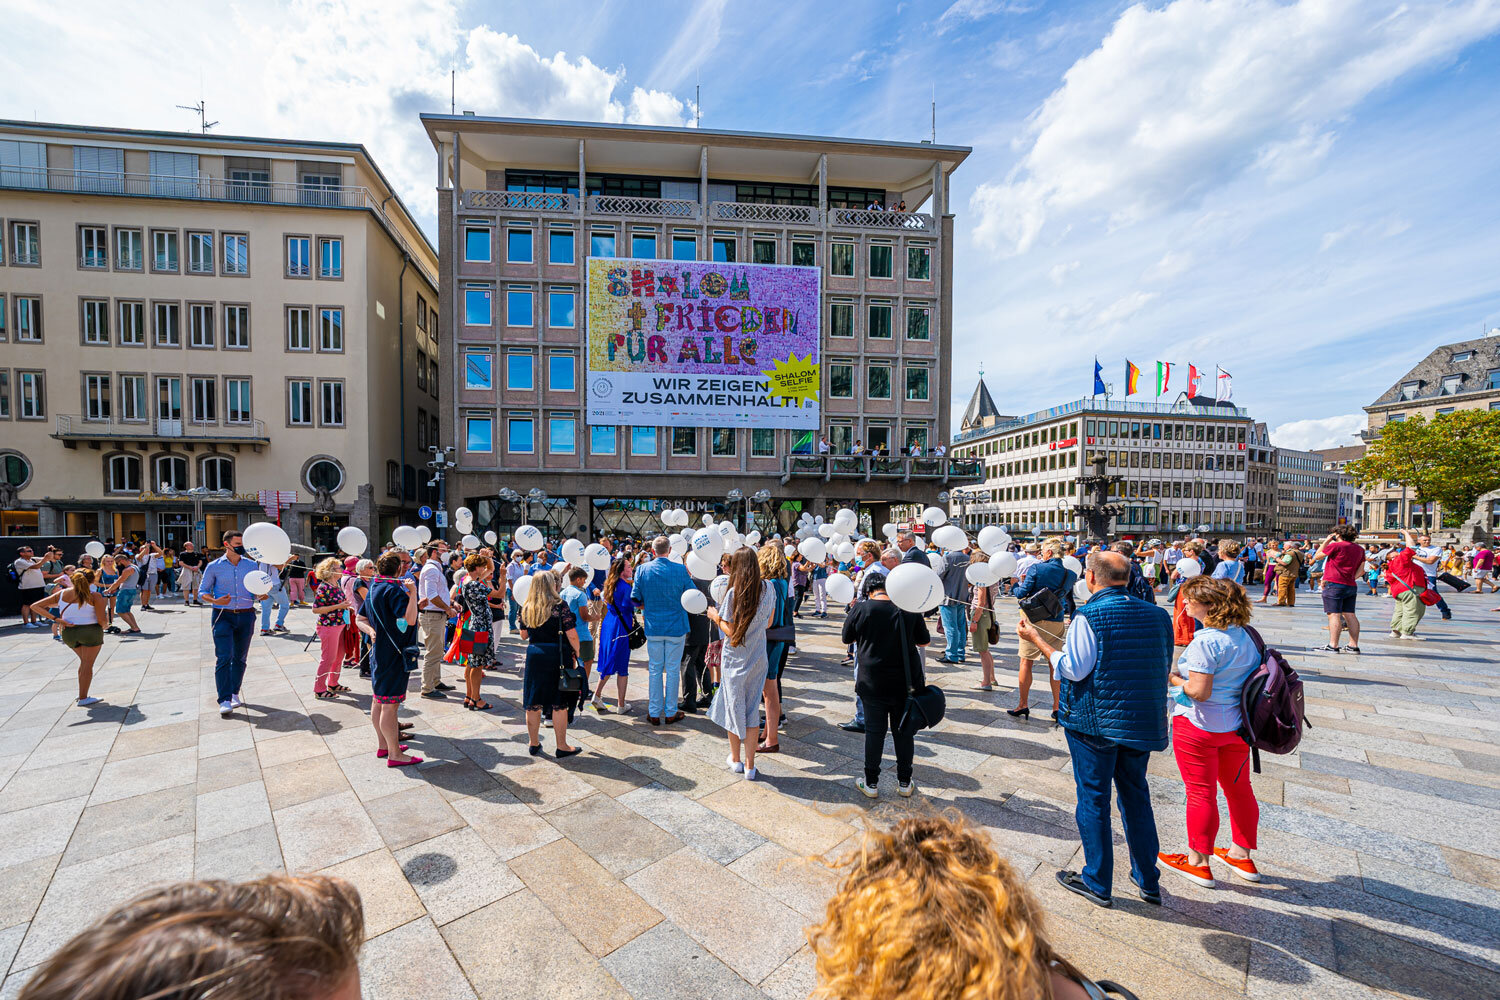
x=1132, y=376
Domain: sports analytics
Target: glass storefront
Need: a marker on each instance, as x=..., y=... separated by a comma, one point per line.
x=323, y=531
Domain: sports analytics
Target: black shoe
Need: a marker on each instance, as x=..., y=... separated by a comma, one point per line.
x=535, y=750
x=705, y=701
x=1054, y=716
x=434, y=694
x=444, y=687
x=851, y=727
x=568, y=753
x=688, y=708
x=1448, y=617
x=944, y=659
x=1154, y=898
x=1019, y=713
x=1073, y=882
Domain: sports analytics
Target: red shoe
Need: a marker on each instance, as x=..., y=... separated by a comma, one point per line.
x=386, y=753
x=403, y=763
x=1243, y=867
x=1197, y=874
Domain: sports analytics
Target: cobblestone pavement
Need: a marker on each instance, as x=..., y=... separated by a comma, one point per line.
x=644, y=868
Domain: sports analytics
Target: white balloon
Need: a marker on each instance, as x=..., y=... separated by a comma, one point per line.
x=1073, y=564
x=572, y=551
x=847, y=515
x=96, y=548
x=520, y=588
x=463, y=514
x=1189, y=568
x=708, y=546
x=490, y=538
x=840, y=588
x=950, y=536
x=791, y=550
x=935, y=560
x=1081, y=592
x=699, y=567
x=733, y=543
x=424, y=533
x=813, y=549
x=597, y=556
x=270, y=540
x=980, y=574
x=753, y=538
x=992, y=538
x=914, y=587
x=694, y=602
x=1004, y=564
x=352, y=541
x=921, y=543
x=707, y=520
x=470, y=542
x=529, y=537
x=726, y=530
x=827, y=530
x=679, y=544
x=934, y=516
x=889, y=530
x=719, y=587
x=257, y=582
x=402, y=536
x=845, y=552
x=817, y=519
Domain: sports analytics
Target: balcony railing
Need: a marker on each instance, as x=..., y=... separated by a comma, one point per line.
x=667, y=208
x=96, y=259
x=761, y=214
x=80, y=427
x=866, y=218
x=867, y=467
x=519, y=201
x=745, y=213
x=23, y=255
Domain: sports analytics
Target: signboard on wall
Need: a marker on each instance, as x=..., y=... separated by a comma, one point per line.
x=680, y=343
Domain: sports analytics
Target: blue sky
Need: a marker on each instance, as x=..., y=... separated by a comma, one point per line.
x=1303, y=193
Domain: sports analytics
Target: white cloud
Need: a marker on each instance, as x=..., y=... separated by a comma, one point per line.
x=1172, y=264
x=963, y=11
x=1180, y=100
x=695, y=41
x=1059, y=272
x=1325, y=432
x=1123, y=308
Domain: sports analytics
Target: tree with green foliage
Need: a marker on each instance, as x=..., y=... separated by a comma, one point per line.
x=1453, y=459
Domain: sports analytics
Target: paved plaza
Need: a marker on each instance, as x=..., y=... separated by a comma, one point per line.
x=644, y=868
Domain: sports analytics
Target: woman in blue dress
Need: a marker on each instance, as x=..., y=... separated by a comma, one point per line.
x=614, y=633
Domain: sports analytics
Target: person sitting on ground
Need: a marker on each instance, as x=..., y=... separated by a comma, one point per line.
x=927, y=910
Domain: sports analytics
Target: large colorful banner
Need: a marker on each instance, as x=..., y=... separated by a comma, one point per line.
x=682, y=343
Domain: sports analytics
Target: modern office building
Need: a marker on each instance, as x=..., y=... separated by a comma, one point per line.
x=189, y=320
x=1465, y=375
x=524, y=204
x=1307, y=495
x=1181, y=463
x=1260, y=482
x=1351, y=494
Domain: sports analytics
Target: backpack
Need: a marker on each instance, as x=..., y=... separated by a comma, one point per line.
x=1271, y=704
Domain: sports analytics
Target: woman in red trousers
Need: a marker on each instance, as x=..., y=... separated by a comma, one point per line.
x=332, y=609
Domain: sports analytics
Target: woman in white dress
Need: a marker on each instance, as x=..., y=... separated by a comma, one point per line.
x=747, y=610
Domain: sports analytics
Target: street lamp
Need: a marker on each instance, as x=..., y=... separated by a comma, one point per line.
x=440, y=465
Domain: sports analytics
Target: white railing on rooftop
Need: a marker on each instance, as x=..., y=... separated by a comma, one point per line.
x=741, y=212
x=756, y=212
x=670, y=208
x=869, y=218
x=520, y=201
x=79, y=426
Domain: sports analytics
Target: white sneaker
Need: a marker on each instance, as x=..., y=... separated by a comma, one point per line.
x=869, y=793
x=1395, y=634
x=735, y=765
x=84, y=702
x=234, y=700
x=31, y=624
x=225, y=707
x=906, y=789
x=752, y=773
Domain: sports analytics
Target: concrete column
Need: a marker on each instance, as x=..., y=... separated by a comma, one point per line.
x=583, y=189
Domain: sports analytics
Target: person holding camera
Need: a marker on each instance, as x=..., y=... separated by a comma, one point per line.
x=1045, y=595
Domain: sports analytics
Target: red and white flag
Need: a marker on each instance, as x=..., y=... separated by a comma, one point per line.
x=1224, y=388
x=1194, y=378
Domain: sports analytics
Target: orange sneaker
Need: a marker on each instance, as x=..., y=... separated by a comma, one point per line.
x=1197, y=874
x=1243, y=867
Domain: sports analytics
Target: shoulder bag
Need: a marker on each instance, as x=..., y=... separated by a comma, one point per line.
x=924, y=707
x=1043, y=605
x=570, y=678
x=635, y=632
x=783, y=629
x=408, y=654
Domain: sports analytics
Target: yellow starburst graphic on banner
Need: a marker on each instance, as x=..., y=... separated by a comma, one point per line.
x=794, y=378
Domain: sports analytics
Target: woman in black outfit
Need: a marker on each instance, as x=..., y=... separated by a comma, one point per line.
x=882, y=679
x=551, y=635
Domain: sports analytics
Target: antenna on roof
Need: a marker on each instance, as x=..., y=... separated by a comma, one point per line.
x=697, y=105
x=203, y=123
x=453, y=91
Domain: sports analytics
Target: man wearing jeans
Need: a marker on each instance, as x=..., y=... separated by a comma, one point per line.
x=1113, y=667
x=223, y=588
x=1430, y=558
x=657, y=591
x=432, y=619
x=278, y=597
x=954, y=610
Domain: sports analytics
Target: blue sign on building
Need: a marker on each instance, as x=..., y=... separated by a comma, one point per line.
x=424, y=512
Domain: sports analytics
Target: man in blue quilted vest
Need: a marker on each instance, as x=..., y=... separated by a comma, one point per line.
x=1113, y=665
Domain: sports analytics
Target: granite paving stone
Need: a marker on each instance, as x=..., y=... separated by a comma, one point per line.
x=622, y=841
x=710, y=833
x=412, y=961
x=666, y=964
x=601, y=912
x=456, y=874
x=388, y=898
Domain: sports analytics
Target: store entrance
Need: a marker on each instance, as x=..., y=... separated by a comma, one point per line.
x=175, y=528
x=323, y=530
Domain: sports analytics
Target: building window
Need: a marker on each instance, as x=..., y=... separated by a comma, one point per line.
x=133, y=397
x=216, y=473
x=519, y=372
x=330, y=257
x=164, y=251
x=840, y=381
x=518, y=246
x=1460, y=356
x=299, y=411
x=878, y=382
x=880, y=322
x=1409, y=389
x=602, y=440
x=237, y=400
x=237, y=327
x=684, y=247
x=643, y=440
x=299, y=329
x=916, y=385
x=520, y=434
x=762, y=442
x=124, y=473
x=919, y=263
x=724, y=249
x=170, y=471
x=200, y=253
x=561, y=435
x=96, y=397
x=236, y=253
x=723, y=442
x=917, y=320
x=560, y=373
x=422, y=429
x=205, y=400
x=477, y=244
x=168, y=331
x=96, y=321
x=479, y=370
x=93, y=247
x=841, y=259
x=324, y=474
x=421, y=369
x=331, y=402
x=684, y=442
x=804, y=253
x=916, y=435
x=128, y=253
x=643, y=245
x=560, y=246
x=25, y=243
x=1451, y=384
x=331, y=330
x=298, y=256
x=518, y=306
x=432, y=377
x=880, y=260
x=560, y=308
x=841, y=319
x=479, y=432
x=200, y=325
x=174, y=175
x=1494, y=379
x=602, y=243
x=477, y=305
x=33, y=395
x=763, y=251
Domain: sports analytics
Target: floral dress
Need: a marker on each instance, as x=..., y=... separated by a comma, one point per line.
x=324, y=595
x=481, y=619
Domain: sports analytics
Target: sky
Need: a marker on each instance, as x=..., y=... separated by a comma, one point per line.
x=1301, y=193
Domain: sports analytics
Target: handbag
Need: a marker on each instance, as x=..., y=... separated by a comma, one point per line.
x=1041, y=606
x=635, y=632
x=786, y=631
x=925, y=707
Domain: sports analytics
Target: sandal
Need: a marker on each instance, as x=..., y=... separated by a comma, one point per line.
x=482, y=706
x=340, y=689
x=469, y=704
x=324, y=695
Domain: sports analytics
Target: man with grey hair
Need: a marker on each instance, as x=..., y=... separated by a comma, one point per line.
x=906, y=544
x=657, y=590
x=1113, y=667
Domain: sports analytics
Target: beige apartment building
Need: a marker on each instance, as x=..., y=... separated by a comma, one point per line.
x=524, y=204
x=188, y=320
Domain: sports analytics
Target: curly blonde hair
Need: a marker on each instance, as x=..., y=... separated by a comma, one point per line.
x=929, y=911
